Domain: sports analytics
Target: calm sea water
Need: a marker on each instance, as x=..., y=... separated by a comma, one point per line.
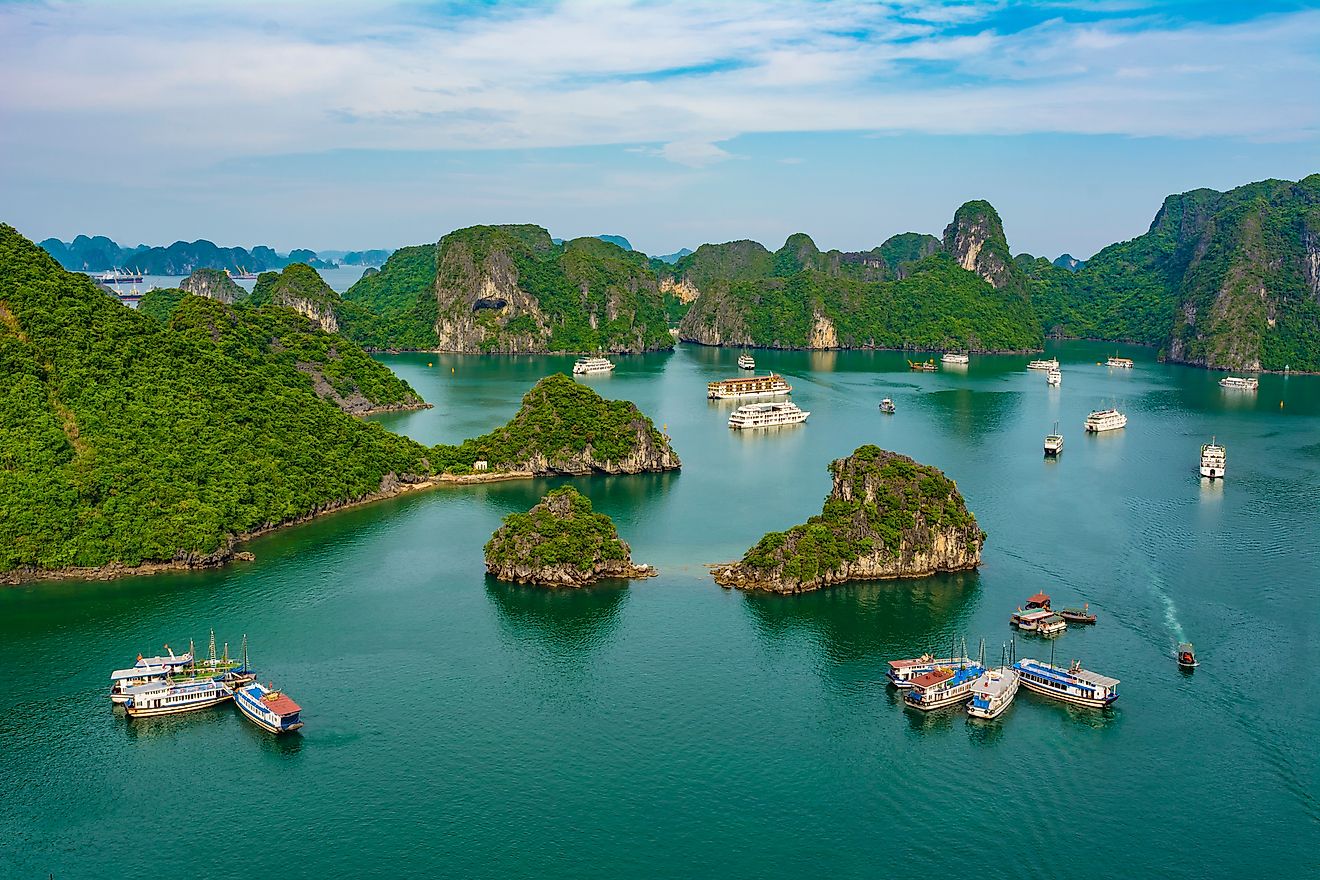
x=457, y=726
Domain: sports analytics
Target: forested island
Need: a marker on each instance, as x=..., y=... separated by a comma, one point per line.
x=561, y=542
x=886, y=516
x=133, y=440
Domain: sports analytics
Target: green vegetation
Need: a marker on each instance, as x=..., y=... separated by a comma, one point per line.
x=585, y=295
x=397, y=305
x=937, y=306
x=881, y=501
x=907, y=247
x=559, y=420
x=160, y=303
x=1220, y=279
x=562, y=531
x=125, y=439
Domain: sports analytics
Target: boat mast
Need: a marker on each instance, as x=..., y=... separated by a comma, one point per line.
x=245, y=652
x=213, y=646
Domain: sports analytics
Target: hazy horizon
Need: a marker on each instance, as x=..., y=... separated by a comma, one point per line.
x=384, y=125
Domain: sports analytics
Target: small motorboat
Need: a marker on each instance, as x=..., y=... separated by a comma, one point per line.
x=887, y=406
x=1078, y=615
x=1187, y=656
x=926, y=366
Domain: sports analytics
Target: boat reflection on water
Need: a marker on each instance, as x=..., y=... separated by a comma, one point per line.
x=564, y=621
x=869, y=620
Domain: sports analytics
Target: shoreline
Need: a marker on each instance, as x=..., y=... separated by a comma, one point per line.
x=233, y=552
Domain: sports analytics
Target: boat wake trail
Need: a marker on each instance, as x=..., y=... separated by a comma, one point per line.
x=1170, y=613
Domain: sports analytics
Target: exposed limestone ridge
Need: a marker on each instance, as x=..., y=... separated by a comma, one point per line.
x=561, y=542
x=886, y=516
x=975, y=239
x=213, y=284
x=300, y=287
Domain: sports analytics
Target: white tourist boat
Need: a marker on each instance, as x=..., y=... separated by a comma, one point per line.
x=268, y=708
x=1213, y=460
x=171, y=698
x=993, y=692
x=1238, y=383
x=746, y=362
x=1050, y=364
x=902, y=672
x=767, y=415
x=1075, y=685
x=1105, y=420
x=1054, y=441
x=1054, y=377
x=1028, y=620
x=1121, y=363
x=751, y=386
x=121, y=680
x=887, y=406
x=1051, y=625
x=591, y=365
x=955, y=358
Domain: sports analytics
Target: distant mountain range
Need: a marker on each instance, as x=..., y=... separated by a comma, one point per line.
x=98, y=253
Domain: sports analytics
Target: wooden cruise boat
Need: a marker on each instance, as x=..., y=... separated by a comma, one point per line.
x=587, y=366
x=268, y=708
x=767, y=415
x=942, y=686
x=1237, y=383
x=1214, y=459
x=927, y=366
x=1120, y=362
x=1028, y=620
x=121, y=680
x=746, y=362
x=901, y=673
x=1045, y=364
x=1102, y=420
x=171, y=698
x=1075, y=685
x=955, y=358
x=751, y=386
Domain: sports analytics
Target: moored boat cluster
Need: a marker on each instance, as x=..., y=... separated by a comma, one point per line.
x=172, y=684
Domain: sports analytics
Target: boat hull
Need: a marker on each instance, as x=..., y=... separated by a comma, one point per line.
x=1212, y=473
x=1088, y=702
x=178, y=709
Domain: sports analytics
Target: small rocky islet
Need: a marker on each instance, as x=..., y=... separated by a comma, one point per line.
x=561, y=542
x=887, y=516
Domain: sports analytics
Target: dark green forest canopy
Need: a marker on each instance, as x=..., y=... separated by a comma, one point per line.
x=126, y=439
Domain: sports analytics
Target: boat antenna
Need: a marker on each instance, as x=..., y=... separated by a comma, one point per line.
x=1051, y=653
x=213, y=646
x=245, y=652
x=1012, y=644
x=980, y=659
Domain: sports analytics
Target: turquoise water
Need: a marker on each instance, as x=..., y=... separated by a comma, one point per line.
x=457, y=726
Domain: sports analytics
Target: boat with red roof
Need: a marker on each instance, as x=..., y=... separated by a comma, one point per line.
x=268, y=708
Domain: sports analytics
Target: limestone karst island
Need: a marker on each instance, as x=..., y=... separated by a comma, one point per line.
x=578, y=439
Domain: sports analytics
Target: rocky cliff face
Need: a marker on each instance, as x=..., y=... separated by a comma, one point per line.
x=300, y=287
x=975, y=239
x=213, y=284
x=511, y=289
x=561, y=542
x=886, y=517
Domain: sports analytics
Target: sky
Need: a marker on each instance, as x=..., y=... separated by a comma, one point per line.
x=362, y=125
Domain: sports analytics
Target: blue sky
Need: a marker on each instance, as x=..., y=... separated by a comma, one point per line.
x=378, y=125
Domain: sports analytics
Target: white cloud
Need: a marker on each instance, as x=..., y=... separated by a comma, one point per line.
x=199, y=85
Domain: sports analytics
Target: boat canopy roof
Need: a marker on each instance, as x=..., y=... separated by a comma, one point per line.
x=1036, y=614
x=1038, y=599
x=935, y=676
x=1095, y=678
x=139, y=672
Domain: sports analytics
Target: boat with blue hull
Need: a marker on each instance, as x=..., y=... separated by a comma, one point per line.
x=1075, y=685
x=267, y=708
